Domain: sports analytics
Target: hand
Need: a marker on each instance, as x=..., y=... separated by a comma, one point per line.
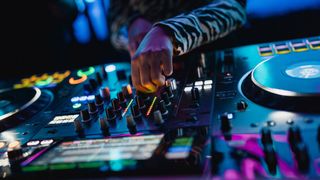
x=136, y=32
x=152, y=61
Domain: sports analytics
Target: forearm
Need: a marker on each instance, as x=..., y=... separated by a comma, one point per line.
x=205, y=24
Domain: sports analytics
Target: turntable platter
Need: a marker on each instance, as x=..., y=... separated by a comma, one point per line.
x=17, y=105
x=290, y=82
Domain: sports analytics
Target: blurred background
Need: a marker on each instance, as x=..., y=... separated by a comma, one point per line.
x=46, y=36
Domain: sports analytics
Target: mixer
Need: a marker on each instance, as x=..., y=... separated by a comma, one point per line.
x=246, y=112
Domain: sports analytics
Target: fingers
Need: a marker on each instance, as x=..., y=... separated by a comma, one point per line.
x=166, y=61
x=135, y=72
x=155, y=69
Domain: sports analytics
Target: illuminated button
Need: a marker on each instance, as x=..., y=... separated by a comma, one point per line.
x=75, y=99
x=282, y=48
x=44, y=82
x=299, y=46
x=14, y=145
x=90, y=71
x=90, y=97
x=2, y=144
x=265, y=50
x=46, y=142
x=187, y=89
x=206, y=87
x=74, y=81
x=198, y=83
x=208, y=82
x=110, y=68
x=33, y=143
x=314, y=43
x=199, y=87
x=76, y=105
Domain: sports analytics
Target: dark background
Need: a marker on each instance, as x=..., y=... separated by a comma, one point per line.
x=52, y=35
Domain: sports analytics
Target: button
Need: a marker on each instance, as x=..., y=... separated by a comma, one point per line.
x=85, y=116
x=104, y=126
x=158, y=118
x=131, y=124
x=242, y=105
x=105, y=93
x=266, y=137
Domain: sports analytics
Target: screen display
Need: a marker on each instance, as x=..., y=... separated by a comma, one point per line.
x=95, y=152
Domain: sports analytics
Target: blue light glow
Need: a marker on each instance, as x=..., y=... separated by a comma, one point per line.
x=110, y=68
x=81, y=29
x=98, y=18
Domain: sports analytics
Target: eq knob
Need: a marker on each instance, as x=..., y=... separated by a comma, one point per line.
x=93, y=110
x=104, y=126
x=98, y=78
x=85, y=116
x=122, y=99
x=242, y=105
x=266, y=137
x=98, y=101
x=105, y=93
x=111, y=116
x=158, y=118
x=131, y=124
x=136, y=112
x=116, y=106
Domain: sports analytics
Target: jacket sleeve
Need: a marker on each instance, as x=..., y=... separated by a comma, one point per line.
x=205, y=24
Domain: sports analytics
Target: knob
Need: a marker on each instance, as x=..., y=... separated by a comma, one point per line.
x=104, y=126
x=98, y=78
x=136, y=112
x=98, y=100
x=266, y=137
x=195, y=94
x=116, y=106
x=158, y=118
x=270, y=158
x=105, y=93
x=141, y=105
x=78, y=126
x=93, y=84
x=163, y=109
x=93, y=110
x=111, y=116
x=169, y=92
x=225, y=122
x=85, y=116
x=242, y=105
x=122, y=99
x=127, y=91
x=165, y=98
x=302, y=157
x=131, y=124
x=294, y=136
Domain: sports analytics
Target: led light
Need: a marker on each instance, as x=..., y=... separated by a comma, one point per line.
x=90, y=71
x=73, y=81
x=14, y=145
x=151, y=106
x=2, y=144
x=208, y=82
x=46, y=142
x=187, y=89
x=198, y=83
x=83, y=98
x=125, y=111
x=207, y=86
x=33, y=143
x=76, y=105
x=75, y=99
x=44, y=82
x=199, y=87
x=110, y=68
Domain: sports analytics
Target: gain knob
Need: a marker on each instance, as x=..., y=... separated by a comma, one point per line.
x=111, y=116
x=122, y=100
x=116, y=106
x=85, y=116
x=93, y=110
x=105, y=93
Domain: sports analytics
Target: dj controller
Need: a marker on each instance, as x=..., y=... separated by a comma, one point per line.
x=242, y=113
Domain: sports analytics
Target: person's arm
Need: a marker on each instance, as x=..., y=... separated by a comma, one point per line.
x=178, y=35
x=205, y=24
